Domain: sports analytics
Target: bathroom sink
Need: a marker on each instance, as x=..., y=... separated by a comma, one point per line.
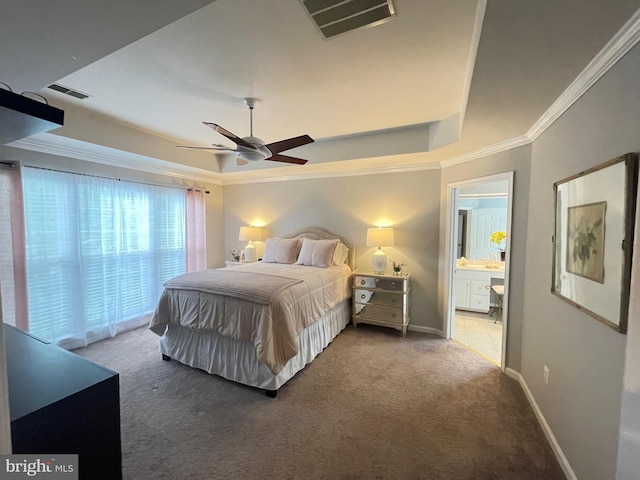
x=481, y=267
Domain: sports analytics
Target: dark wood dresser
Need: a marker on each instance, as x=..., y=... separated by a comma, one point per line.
x=62, y=403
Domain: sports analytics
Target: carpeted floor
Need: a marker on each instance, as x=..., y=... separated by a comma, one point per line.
x=373, y=405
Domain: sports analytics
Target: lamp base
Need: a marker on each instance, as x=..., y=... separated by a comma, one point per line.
x=379, y=261
x=250, y=253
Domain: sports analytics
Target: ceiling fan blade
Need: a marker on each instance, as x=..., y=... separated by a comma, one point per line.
x=240, y=162
x=288, y=144
x=286, y=159
x=216, y=148
x=231, y=136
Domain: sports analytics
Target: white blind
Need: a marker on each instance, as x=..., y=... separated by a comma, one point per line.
x=98, y=252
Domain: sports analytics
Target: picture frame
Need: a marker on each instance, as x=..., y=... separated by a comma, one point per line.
x=594, y=218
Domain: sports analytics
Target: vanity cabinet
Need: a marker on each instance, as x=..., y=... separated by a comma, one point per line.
x=381, y=299
x=473, y=288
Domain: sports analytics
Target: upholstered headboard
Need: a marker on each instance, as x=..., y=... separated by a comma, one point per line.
x=317, y=233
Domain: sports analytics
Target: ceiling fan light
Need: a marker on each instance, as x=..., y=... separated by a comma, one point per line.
x=257, y=155
x=249, y=156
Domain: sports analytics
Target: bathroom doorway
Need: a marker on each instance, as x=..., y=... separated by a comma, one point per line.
x=476, y=292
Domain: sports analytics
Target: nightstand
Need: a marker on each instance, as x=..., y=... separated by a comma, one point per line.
x=381, y=299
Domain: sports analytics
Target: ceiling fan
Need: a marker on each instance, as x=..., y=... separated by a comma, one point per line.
x=253, y=149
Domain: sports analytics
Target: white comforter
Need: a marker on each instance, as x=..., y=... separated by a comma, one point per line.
x=273, y=327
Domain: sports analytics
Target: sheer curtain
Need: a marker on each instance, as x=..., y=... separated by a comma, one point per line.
x=13, y=284
x=196, y=234
x=98, y=253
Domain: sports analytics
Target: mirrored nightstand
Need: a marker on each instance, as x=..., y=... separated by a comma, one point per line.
x=381, y=299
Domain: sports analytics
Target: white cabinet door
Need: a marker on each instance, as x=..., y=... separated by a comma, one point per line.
x=463, y=290
x=472, y=289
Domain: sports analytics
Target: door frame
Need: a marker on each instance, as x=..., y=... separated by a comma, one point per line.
x=451, y=235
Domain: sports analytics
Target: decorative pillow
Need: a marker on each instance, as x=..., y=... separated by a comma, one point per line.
x=280, y=250
x=317, y=253
x=341, y=254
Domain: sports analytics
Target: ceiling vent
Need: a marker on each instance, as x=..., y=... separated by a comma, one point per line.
x=335, y=17
x=68, y=91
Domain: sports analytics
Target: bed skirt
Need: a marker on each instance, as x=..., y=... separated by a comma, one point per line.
x=238, y=361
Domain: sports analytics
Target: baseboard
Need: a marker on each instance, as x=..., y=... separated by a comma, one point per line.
x=564, y=463
x=430, y=330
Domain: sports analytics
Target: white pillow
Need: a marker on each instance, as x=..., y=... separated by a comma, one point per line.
x=317, y=253
x=341, y=254
x=280, y=250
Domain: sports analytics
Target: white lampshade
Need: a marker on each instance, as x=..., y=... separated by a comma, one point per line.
x=249, y=234
x=379, y=237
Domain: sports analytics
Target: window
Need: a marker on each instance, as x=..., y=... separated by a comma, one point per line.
x=98, y=252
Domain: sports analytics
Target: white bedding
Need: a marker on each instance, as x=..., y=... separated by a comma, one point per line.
x=238, y=361
x=272, y=328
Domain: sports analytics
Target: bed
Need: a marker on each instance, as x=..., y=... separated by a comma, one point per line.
x=260, y=323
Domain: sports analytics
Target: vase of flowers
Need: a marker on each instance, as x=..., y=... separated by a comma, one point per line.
x=397, y=267
x=497, y=238
x=235, y=254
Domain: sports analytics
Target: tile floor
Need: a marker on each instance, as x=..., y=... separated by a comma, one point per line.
x=478, y=332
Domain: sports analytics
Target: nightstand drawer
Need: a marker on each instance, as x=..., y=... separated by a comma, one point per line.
x=381, y=283
x=378, y=297
x=379, y=312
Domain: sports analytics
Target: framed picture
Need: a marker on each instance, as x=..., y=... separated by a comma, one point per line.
x=585, y=240
x=593, y=239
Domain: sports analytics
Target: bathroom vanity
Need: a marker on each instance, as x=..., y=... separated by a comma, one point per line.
x=473, y=286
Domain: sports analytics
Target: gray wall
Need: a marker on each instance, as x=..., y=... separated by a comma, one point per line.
x=347, y=206
x=629, y=446
x=586, y=358
x=518, y=161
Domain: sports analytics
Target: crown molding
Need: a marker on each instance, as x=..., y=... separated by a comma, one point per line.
x=128, y=160
x=122, y=159
x=623, y=41
x=260, y=177
x=264, y=176
x=486, y=151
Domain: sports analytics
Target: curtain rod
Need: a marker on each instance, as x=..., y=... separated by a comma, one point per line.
x=111, y=178
x=198, y=190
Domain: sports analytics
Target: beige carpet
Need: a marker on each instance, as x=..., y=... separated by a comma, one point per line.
x=373, y=405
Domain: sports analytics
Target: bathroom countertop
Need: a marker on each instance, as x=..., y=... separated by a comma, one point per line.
x=481, y=267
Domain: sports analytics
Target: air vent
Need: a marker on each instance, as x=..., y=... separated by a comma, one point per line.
x=68, y=91
x=335, y=17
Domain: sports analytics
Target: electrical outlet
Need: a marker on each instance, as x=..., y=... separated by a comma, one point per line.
x=546, y=374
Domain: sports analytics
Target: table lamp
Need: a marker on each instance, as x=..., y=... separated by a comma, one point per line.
x=249, y=234
x=379, y=237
